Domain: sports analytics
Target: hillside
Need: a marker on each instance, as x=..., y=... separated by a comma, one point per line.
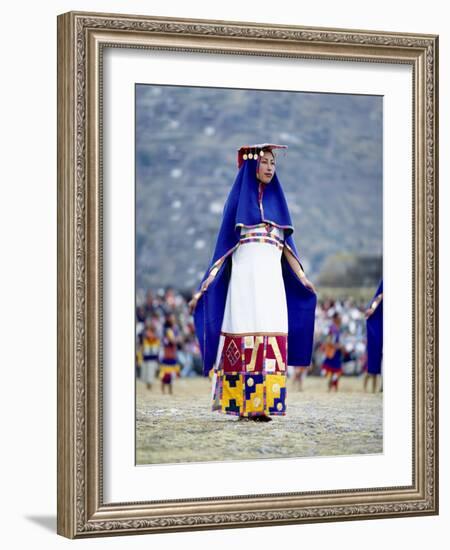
x=186, y=143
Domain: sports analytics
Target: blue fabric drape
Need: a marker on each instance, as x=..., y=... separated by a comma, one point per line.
x=374, y=326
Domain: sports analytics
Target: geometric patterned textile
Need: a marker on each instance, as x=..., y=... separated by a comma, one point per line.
x=263, y=233
x=258, y=237
x=251, y=375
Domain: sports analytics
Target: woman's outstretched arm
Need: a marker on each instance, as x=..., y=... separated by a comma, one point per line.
x=195, y=298
x=293, y=262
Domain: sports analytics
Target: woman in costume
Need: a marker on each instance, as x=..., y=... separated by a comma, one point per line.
x=254, y=310
x=374, y=324
x=332, y=364
x=150, y=355
x=169, y=368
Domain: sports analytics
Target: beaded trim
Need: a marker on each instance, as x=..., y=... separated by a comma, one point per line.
x=265, y=240
x=262, y=234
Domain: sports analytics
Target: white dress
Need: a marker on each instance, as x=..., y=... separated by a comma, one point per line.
x=256, y=299
x=250, y=367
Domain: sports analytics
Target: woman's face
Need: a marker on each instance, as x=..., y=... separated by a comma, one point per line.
x=266, y=167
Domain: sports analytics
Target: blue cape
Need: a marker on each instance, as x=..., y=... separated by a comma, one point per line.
x=242, y=208
x=375, y=336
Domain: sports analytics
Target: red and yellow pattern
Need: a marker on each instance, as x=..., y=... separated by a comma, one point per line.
x=251, y=376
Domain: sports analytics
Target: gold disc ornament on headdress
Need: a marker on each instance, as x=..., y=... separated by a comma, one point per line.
x=250, y=152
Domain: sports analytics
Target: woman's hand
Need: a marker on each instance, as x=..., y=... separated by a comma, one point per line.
x=297, y=268
x=193, y=302
x=368, y=312
x=373, y=306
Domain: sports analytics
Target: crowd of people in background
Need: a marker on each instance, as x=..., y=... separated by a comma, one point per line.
x=167, y=347
x=166, y=344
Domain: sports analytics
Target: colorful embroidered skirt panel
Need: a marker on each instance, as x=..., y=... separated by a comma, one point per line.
x=251, y=375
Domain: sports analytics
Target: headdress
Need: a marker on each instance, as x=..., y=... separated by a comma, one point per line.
x=254, y=151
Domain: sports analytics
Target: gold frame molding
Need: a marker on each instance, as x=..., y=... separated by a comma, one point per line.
x=81, y=39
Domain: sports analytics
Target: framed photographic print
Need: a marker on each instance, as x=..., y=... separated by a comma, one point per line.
x=247, y=274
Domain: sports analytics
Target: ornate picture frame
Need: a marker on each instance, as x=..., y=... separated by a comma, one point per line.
x=82, y=39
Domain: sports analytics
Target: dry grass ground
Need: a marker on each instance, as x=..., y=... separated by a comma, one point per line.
x=182, y=428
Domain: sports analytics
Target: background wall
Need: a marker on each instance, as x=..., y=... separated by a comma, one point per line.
x=28, y=274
